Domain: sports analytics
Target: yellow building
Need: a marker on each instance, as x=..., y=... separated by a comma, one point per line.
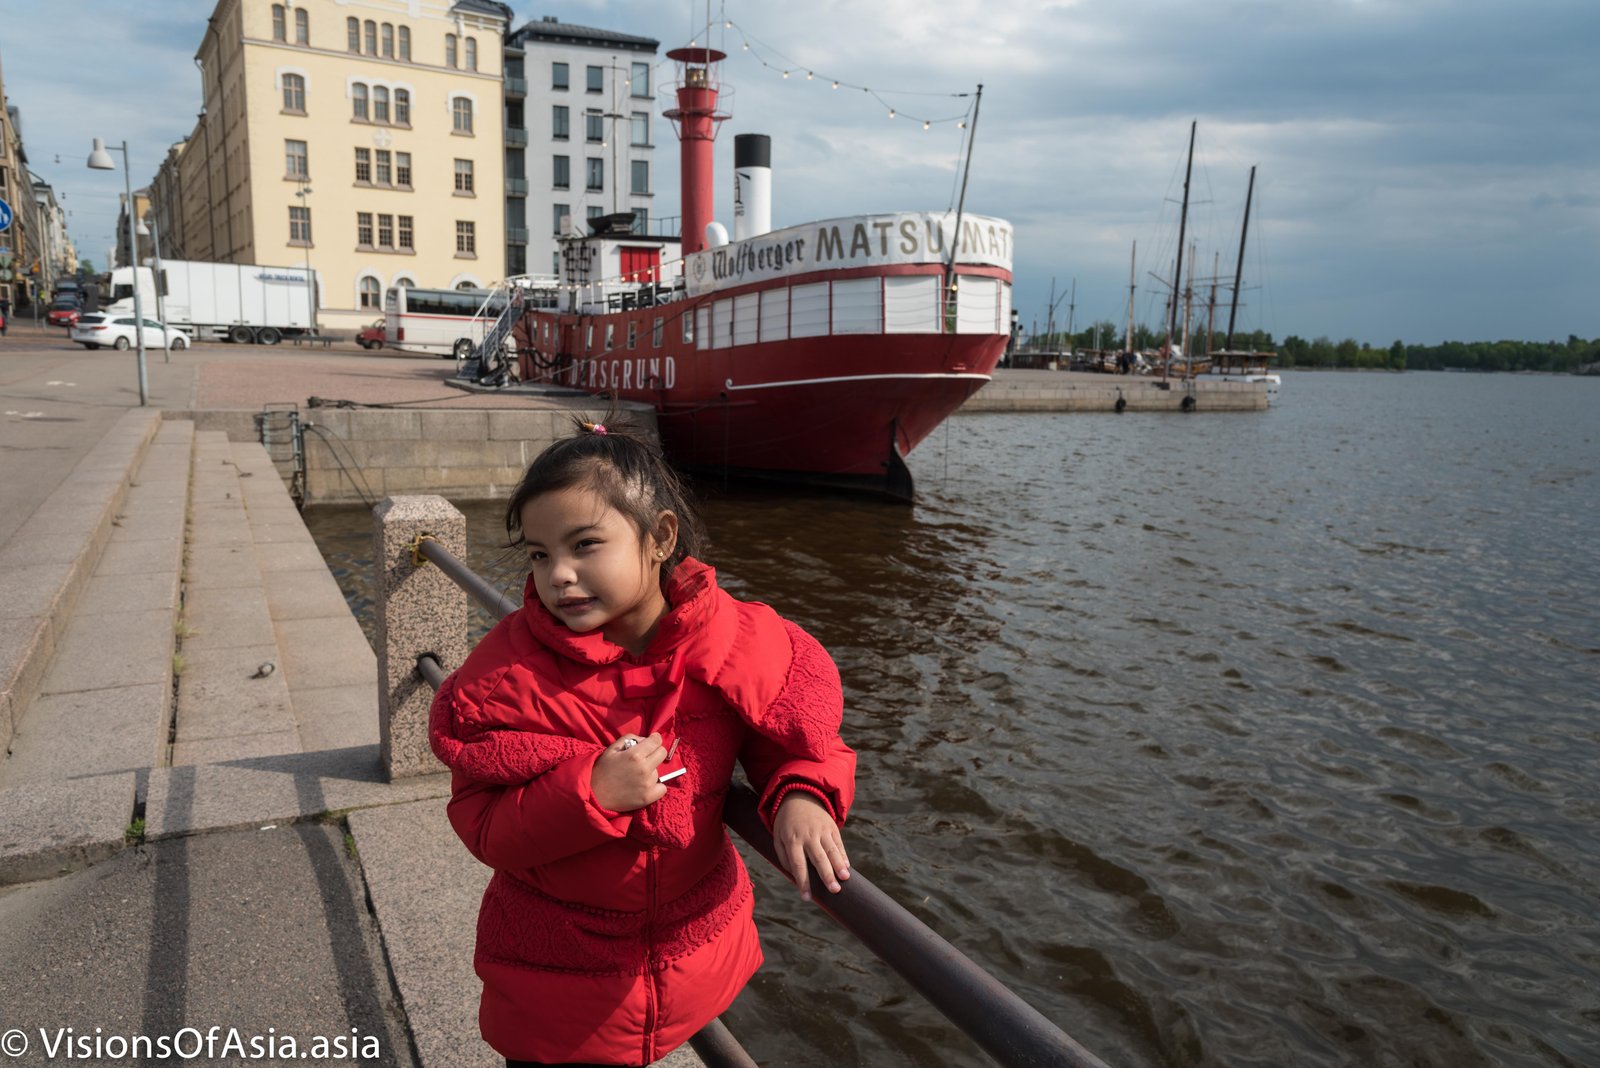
x=361, y=137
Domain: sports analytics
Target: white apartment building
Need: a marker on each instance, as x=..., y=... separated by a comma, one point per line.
x=580, y=143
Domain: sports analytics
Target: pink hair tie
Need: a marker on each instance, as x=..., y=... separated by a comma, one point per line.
x=597, y=428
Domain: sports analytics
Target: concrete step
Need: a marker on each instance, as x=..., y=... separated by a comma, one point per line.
x=46, y=564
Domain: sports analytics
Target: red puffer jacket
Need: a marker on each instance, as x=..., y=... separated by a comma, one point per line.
x=612, y=937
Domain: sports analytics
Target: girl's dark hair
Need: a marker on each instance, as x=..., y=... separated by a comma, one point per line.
x=627, y=471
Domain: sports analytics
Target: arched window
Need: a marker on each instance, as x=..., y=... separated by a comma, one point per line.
x=450, y=50
x=358, y=101
x=371, y=36
x=294, y=92
x=380, y=104
x=404, y=283
x=472, y=53
x=388, y=39
x=302, y=26
x=402, y=107
x=278, y=32
x=352, y=33
x=464, y=285
x=461, y=115
x=371, y=292
x=405, y=43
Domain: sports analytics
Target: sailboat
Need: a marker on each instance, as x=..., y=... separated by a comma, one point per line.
x=1238, y=365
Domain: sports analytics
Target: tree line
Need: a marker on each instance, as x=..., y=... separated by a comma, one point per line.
x=1573, y=354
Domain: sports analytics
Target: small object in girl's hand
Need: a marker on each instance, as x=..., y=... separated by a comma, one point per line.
x=672, y=775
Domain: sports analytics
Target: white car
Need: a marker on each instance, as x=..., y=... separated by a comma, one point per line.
x=117, y=331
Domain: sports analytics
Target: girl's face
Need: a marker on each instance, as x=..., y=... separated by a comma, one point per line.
x=591, y=567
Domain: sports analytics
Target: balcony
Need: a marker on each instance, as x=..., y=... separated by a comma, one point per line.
x=516, y=87
x=517, y=235
x=516, y=137
x=516, y=187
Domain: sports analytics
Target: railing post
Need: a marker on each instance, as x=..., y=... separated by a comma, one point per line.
x=419, y=611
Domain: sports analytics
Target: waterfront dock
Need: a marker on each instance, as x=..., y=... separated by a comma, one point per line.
x=1019, y=390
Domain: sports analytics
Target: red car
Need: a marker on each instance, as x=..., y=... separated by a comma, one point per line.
x=371, y=337
x=63, y=313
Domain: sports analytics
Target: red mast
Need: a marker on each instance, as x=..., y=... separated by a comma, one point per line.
x=696, y=120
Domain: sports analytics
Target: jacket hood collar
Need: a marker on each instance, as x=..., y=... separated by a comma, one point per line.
x=692, y=596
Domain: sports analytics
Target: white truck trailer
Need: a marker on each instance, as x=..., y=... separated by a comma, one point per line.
x=241, y=302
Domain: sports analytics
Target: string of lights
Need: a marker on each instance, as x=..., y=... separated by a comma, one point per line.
x=787, y=67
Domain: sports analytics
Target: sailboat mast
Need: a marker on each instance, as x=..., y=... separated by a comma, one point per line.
x=1132, y=259
x=1238, y=268
x=1188, y=307
x=1183, y=225
x=961, y=204
x=1211, y=311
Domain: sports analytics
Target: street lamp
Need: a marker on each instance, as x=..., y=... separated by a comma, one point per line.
x=161, y=315
x=100, y=160
x=311, y=293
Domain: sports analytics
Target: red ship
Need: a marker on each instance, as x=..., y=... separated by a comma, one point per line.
x=821, y=353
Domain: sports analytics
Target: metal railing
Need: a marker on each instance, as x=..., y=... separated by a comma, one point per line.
x=1007, y=1028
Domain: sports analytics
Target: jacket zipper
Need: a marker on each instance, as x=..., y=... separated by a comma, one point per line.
x=649, y=957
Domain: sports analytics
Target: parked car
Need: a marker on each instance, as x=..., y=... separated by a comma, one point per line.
x=117, y=331
x=371, y=337
x=63, y=312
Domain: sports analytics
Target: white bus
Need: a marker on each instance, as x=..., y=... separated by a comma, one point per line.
x=450, y=322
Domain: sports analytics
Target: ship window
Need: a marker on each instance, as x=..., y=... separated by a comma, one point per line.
x=808, y=310
x=911, y=304
x=858, y=306
x=745, y=310
x=611, y=336
x=588, y=338
x=702, y=327
x=1004, y=325
x=775, y=315
x=633, y=334
x=722, y=324
x=977, y=305
x=655, y=333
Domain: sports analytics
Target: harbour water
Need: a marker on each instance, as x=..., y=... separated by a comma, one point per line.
x=1255, y=739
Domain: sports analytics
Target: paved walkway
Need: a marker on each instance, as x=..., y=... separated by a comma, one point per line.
x=195, y=830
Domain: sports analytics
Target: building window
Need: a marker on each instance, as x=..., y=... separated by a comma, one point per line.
x=450, y=50
x=562, y=176
x=596, y=174
x=559, y=128
x=405, y=236
x=300, y=226
x=558, y=212
x=278, y=31
x=463, y=176
x=641, y=220
x=472, y=53
x=386, y=231
x=405, y=43
x=639, y=127
x=364, y=229
x=302, y=27
x=385, y=176
x=466, y=238
x=380, y=104
x=641, y=177
x=558, y=75
x=593, y=211
x=370, y=35
x=364, y=165
x=295, y=157
x=352, y=34
x=402, y=169
x=402, y=107
x=461, y=115
x=594, y=128
x=597, y=79
x=388, y=40
x=358, y=101
x=369, y=292
x=639, y=82
x=294, y=93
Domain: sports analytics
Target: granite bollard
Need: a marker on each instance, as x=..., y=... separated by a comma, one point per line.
x=419, y=611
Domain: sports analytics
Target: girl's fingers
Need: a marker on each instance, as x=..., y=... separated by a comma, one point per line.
x=796, y=863
x=824, y=865
x=837, y=857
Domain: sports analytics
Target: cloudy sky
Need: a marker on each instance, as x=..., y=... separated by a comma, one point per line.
x=1428, y=169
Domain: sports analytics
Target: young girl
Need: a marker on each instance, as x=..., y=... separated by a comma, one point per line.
x=592, y=736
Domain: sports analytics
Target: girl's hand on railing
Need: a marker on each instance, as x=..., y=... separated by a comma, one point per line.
x=624, y=778
x=803, y=830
